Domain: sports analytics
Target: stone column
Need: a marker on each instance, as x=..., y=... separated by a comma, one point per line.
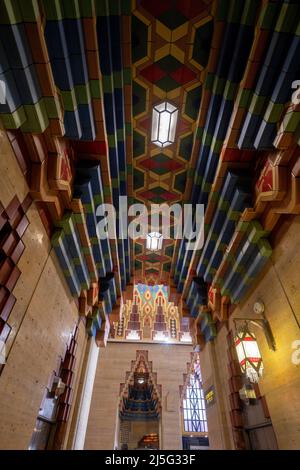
x=88, y=377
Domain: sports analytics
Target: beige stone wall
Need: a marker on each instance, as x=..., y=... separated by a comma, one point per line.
x=218, y=419
x=169, y=361
x=42, y=319
x=278, y=288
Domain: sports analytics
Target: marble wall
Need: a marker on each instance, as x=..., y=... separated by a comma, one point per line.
x=42, y=319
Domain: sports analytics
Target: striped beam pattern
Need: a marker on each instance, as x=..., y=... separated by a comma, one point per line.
x=115, y=77
x=245, y=109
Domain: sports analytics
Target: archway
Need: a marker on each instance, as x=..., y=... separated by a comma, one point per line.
x=139, y=409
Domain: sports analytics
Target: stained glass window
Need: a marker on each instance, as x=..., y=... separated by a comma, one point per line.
x=194, y=412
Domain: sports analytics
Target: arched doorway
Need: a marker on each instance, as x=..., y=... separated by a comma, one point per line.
x=139, y=413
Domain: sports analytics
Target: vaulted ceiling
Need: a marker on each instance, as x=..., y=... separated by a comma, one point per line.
x=82, y=78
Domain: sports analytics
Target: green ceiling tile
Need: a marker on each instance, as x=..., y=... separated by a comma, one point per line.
x=167, y=83
x=117, y=79
x=157, y=200
x=120, y=135
x=87, y=8
x=257, y=104
x=107, y=83
x=206, y=187
x=193, y=98
x=186, y=146
x=222, y=10
x=169, y=250
x=215, y=197
x=37, y=119
x=106, y=190
x=190, y=173
x=139, y=39
x=244, y=98
x=292, y=121
x=198, y=180
x=250, y=13
x=167, y=267
x=126, y=7
x=139, y=95
x=265, y=248
x=209, y=81
x=127, y=75
x=180, y=182
x=111, y=138
x=230, y=90
x=69, y=100
x=202, y=42
x=268, y=15
x=98, y=199
x=172, y=18
x=14, y=120
x=29, y=10
x=114, y=7
x=288, y=19
x=273, y=112
x=123, y=176
x=83, y=94
x=71, y=9
x=128, y=128
x=199, y=133
x=138, y=144
x=235, y=11
x=9, y=12
x=115, y=183
x=101, y=7
x=169, y=63
x=138, y=248
x=153, y=258
x=218, y=86
x=52, y=106
x=138, y=179
x=138, y=265
x=217, y=145
x=95, y=89
x=53, y=9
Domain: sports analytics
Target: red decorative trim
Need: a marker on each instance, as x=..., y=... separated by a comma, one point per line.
x=13, y=224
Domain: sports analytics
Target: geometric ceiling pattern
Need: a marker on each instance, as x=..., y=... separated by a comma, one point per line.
x=170, y=50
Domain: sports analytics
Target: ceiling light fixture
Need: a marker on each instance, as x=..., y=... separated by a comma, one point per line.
x=164, y=119
x=154, y=241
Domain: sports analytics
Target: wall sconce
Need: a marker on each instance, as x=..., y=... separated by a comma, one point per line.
x=247, y=349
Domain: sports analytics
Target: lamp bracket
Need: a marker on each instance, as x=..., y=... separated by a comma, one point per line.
x=263, y=324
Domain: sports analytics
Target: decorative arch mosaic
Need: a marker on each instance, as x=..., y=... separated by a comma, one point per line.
x=150, y=316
